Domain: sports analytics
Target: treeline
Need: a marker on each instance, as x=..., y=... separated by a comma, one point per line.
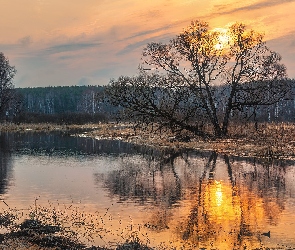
x=62, y=104
x=83, y=104
x=281, y=111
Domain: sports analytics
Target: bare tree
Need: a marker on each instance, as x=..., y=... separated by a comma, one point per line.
x=7, y=74
x=149, y=98
x=202, y=76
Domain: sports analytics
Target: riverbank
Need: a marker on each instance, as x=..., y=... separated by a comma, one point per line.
x=270, y=140
x=46, y=127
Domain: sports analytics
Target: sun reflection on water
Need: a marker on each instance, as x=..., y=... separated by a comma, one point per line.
x=225, y=216
x=218, y=194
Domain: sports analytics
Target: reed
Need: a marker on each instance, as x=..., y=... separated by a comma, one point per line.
x=264, y=140
x=62, y=227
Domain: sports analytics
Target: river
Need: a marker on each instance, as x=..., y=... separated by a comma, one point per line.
x=111, y=191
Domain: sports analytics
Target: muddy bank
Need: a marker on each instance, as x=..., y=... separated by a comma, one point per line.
x=270, y=140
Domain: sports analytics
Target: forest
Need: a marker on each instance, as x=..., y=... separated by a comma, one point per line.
x=86, y=104
x=63, y=105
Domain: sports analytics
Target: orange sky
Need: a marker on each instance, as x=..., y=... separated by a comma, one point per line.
x=74, y=42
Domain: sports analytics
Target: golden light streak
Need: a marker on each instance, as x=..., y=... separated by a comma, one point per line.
x=218, y=194
x=221, y=214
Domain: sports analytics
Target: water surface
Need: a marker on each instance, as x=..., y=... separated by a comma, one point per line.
x=191, y=200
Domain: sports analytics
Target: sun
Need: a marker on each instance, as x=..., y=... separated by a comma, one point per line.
x=223, y=38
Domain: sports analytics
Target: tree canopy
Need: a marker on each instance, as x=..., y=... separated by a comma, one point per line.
x=7, y=73
x=202, y=76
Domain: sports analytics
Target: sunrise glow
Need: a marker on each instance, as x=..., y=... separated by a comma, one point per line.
x=53, y=42
x=223, y=40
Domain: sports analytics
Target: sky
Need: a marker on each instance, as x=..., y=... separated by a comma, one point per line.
x=89, y=42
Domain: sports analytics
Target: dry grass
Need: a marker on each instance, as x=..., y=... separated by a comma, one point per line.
x=62, y=227
x=47, y=127
x=19, y=244
x=270, y=140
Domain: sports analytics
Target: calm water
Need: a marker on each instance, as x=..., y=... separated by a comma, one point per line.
x=186, y=200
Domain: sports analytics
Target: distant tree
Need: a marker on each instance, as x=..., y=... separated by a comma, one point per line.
x=7, y=74
x=202, y=76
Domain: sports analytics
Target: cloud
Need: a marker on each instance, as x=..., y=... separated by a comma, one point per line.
x=70, y=47
x=260, y=5
x=21, y=43
x=6, y=47
x=151, y=31
x=153, y=36
x=25, y=41
x=98, y=47
x=135, y=45
x=288, y=41
x=287, y=51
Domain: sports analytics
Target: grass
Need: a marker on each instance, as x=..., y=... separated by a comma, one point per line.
x=48, y=127
x=55, y=228
x=270, y=140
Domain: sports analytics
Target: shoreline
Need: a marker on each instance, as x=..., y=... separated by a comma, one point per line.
x=270, y=141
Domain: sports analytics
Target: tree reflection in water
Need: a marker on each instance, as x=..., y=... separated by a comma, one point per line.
x=223, y=202
x=5, y=163
x=156, y=183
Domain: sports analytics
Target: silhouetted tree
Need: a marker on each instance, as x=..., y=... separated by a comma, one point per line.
x=202, y=76
x=7, y=74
